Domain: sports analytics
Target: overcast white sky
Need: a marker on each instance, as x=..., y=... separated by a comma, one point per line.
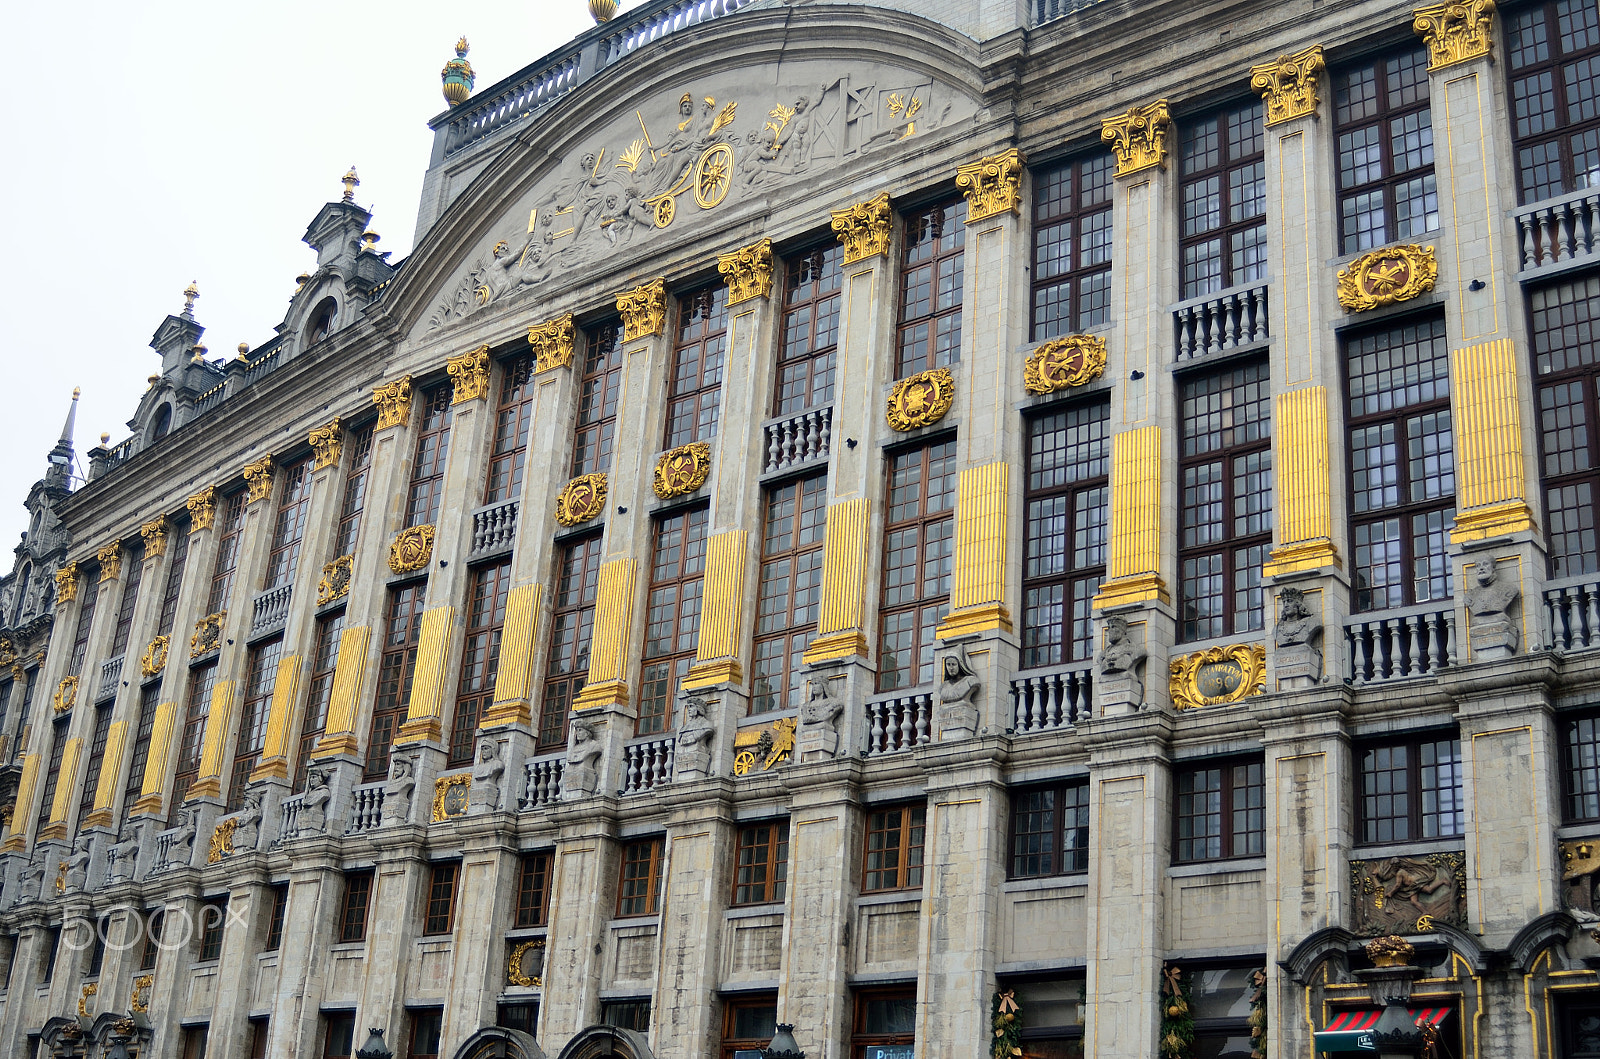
x=156, y=142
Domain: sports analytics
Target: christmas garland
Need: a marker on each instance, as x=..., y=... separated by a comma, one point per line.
x=1006, y=1017
x=1177, y=1016
x=1258, y=1015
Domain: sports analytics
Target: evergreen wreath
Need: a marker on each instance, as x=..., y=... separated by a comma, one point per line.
x=1177, y=1016
x=1006, y=1017
x=1258, y=1015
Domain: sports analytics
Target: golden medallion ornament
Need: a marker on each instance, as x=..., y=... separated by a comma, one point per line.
x=1387, y=276
x=89, y=989
x=469, y=375
x=864, y=228
x=748, y=272
x=517, y=971
x=394, y=402
x=644, y=310
x=1455, y=31
x=222, y=841
x=552, y=343
x=66, y=695
x=67, y=583
x=258, y=477
x=202, y=509
x=582, y=499
x=154, y=659
x=139, y=995
x=1288, y=84
x=154, y=534
x=682, y=470
x=335, y=581
x=325, y=443
x=1138, y=138
x=992, y=185
x=922, y=399
x=411, y=549
x=207, y=634
x=1218, y=675
x=1063, y=363
x=450, y=796
x=713, y=176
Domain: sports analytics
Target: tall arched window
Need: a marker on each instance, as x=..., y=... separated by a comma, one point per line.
x=322, y=320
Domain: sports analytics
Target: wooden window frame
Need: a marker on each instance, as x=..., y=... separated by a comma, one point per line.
x=577, y=583
x=275, y=917
x=535, y=882
x=598, y=392
x=95, y=761
x=132, y=580
x=808, y=346
x=353, y=497
x=1229, y=835
x=508, y=448
x=648, y=852
x=789, y=594
x=1412, y=58
x=672, y=617
x=255, y=707
x=1068, y=797
x=213, y=928
x=932, y=255
x=1084, y=282
x=172, y=588
x=59, y=731
x=699, y=358
x=1566, y=464
x=230, y=528
x=355, y=907
x=416, y=1019
x=1235, y=159
x=139, y=760
x=439, y=911
x=731, y=1007
x=910, y=830
x=289, y=523
x=860, y=1039
x=1416, y=793
x=88, y=603
x=1558, y=66
x=154, y=922
x=430, y=456
x=762, y=846
x=319, y=692
x=480, y=655
x=397, y=666
x=335, y=1023
x=1057, y=609
x=933, y=541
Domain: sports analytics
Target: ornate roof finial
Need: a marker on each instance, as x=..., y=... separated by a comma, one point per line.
x=369, y=241
x=602, y=10
x=105, y=437
x=199, y=351
x=350, y=182
x=300, y=281
x=457, y=76
x=190, y=293
x=244, y=351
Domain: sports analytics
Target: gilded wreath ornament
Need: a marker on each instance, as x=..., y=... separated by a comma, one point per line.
x=222, y=841
x=992, y=185
x=1289, y=84
x=552, y=343
x=335, y=580
x=139, y=995
x=89, y=989
x=644, y=310
x=1063, y=363
x=515, y=975
x=394, y=402
x=469, y=375
x=207, y=634
x=747, y=272
x=154, y=659
x=863, y=229
x=922, y=399
x=66, y=695
x=1218, y=675
x=8, y=651
x=1387, y=276
x=582, y=499
x=325, y=442
x=682, y=470
x=411, y=549
x=450, y=796
x=1455, y=31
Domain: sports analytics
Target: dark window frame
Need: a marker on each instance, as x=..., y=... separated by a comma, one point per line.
x=598, y=391
x=808, y=345
x=1391, y=113
x=508, y=448
x=439, y=913
x=213, y=928
x=1416, y=795
x=289, y=523
x=861, y=1038
x=355, y=907
x=480, y=655
x=229, y=530
x=732, y=1008
x=1056, y=856
x=319, y=691
x=1227, y=832
x=673, y=609
x=1532, y=140
x=397, y=668
x=1081, y=232
x=761, y=863
x=132, y=580
x=699, y=358
x=353, y=497
x=255, y=707
x=577, y=585
x=928, y=314
x=1566, y=395
x=430, y=455
x=535, y=884
x=911, y=602
x=909, y=846
x=633, y=902
x=1222, y=160
x=789, y=591
x=1058, y=603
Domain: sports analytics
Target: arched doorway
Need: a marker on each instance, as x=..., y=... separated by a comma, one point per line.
x=497, y=1042
x=607, y=1042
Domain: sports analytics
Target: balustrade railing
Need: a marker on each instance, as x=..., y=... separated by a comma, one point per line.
x=494, y=528
x=652, y=22
x=211, y=398
x=366, y=808
x=1217, y=322
x=898, y=722
x=289, y=818
x=1398, y=644
x=1572, y=613
x=263, y=365
x=647, y=764
x=270, y=608
x=110, y=676
x=1559, y=230
x=164, y=842
x=798, y=438
x=542, y=782
x=1045, y=700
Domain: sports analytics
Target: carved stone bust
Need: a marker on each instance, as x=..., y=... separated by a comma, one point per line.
x=314, y=809
x=487, y=770
x=1120, y=667
x=819, y=723
x=582, y=778
x=1490, y=604
x=694, y=741
x=1298, y=639
x=78, y=866
x=398, y=791
x=247, y=832
x=957, y=717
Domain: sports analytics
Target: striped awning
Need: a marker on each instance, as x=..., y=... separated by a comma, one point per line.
x=1350, y=1031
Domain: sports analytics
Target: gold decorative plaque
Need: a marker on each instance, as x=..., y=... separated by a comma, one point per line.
x=469, y=375
x=207, y=634
x=922, y=399
x=747, y=271
x=682, y=470
x=202, y=508
x=992, y=185
x=1139, y=137
x=583, y=499
x=139, y=995
x=394, y=402
x=644, y=310
x=258, y=475
x=1289, y=84
x=89, y=989
x=411, y=550
x=222, y=841
x=1455, y=31
x=450, y=796
x=66, y=694
x=1386, y=276
x=67, y=583
x=1217, y=675
x=515, y=975
x=154, y=533
x=325, y=442
x=764, y=746
x=110, y=561
x=335, y=580
x=1063, y=363
x=864, y=228
x=154, y=659
x=552, y=343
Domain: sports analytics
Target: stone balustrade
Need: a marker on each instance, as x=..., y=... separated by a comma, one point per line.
x=494, y=529
x=270, y=609
x=1400, y=644
x=366, y=808
x=110, y=677
x=898, y=722
x=1559, y=231
x=798, y=438
x=542, y=781
x=1222, y=321
x=1047, y=699
x=647, y=763
x=1572, y=613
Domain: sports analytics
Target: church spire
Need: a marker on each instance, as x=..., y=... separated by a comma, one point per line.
x=60, y=460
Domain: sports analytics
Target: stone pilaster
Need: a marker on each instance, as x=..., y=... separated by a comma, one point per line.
x=486, y=897
x=304, y=961
x=584, y=877
x=400, y=890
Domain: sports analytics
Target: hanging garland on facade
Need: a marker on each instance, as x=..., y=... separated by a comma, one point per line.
x=1006, y=1017
x=1258, y=1015
x=1177, y=1016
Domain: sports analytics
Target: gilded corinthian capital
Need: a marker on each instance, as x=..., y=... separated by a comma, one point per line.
x=552, y=343
x=644, y=310
x=1139, y=137
x=992, y=185
x=394, y=402
x=863, y=229
x=325, y=441
x=469, y=375
x=748, y=272
x=1455, y=31
x=258, y=475
x=1289, y=84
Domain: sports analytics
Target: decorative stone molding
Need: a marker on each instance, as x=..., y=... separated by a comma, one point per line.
x=202, y=508
x=552, y=343
x=207, y=634
x=1387, y=276
x=921, y=399
x=469, y=375
x=411, y=550
x=139, y=995
x=66, y=695
x=1063, y=363
x=748, y=272
x=682, y=470
x=992, y=185
x=1139, y=137
x=582, y=499
x=154, y=534
x=1408, y=895
x=644, y=310
x=335, y=581
x=1455, y=31
x=221, y=841
x=110, y=558
x=325, y=443
x=154, y=659
x=515, y=974
x=864, y=229
x=1218, y=675
x=1289, y=84
x=67, y=583
x=258, y=476
x=450, y=796
x=394, y=403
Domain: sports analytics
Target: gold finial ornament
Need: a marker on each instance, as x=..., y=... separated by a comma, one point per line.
x=300, y=281
x=1455, y=31
x=748, y=272
x=457, y=76
x=992, y=185
x=350, y=182
x=1289, y=84
x=552, y=343
x=105, y=438
x=1387, y=276
x=244, y=353
x=1139, y=137
x=921, y=400
x=863, y=229
x=644, y=310
x=190, y=293
x=369, y=241
x=469, y=375
x=682, y=470
x=602, y=10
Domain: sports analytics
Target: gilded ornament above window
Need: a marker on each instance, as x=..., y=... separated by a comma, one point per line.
x=154, y=534
x=1455, y=31
x=222, y=841
x=520, y=971
x=66, y=695
x=325, y=442
x=992, y=185
x=8, y=651
x=469, y=375
x=110, y=561
x=644, y=310
x=922, y=399
x=1289, y=84
x=202, y=508
x=258, y=476
x=1218, y=675
x=582, y=499
x=552, y=343
x=1139, y=137
x=67, y=583
x=335, y=582
x=394, y=402
x=1386, y=276
x=154, y=659
x=1063, y=363
x=207, y=634
x=764, y=747
x=411, y=550
x=682, y=470
x=450, y=796
x=748, y=272
x=864, y=228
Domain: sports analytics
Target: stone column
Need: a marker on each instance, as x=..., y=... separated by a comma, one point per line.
x=486, y=897
x=400, y=891
x=249, y=906
x=315, y=891
x=33, y=938
x=583, y=898
x=168, y=993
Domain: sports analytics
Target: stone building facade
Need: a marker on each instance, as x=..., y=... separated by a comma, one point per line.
x=950, y=526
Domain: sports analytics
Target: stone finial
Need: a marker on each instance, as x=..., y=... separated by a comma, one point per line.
x=1289, y=84
x=747, y=271
x=864, y=228
x=992, y=185
x=350, y=182
x=602, y=10
x=469, y=375
x=552, y=343
x=457, y=76
x=1139, y=137
x=243, y=353
x=1455, y=31
x=644, y=310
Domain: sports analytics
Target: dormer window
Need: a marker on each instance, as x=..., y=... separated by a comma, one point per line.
x=162, y=423
x=322, y=319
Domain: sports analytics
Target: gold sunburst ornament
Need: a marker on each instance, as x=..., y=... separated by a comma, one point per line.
x=921, y=399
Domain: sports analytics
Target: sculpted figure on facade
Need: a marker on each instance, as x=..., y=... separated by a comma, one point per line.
x=78, y=865
x=1120, y=667
x=958, y=698
x=314, y=809
x=29, y=882
x=819, y=721
x=582, y=778
x=1298, y=639
x=693, y=758
x=180, y=853
x=1490, y=602
x=1409, y=895
x=247, y=826
x=122, y=857
x=487, y=771
x=399, y=790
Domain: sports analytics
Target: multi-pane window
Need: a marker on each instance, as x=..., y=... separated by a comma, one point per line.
x=230, y=525
x=355, y=491
x=571, y=628
x=1402, y=464
x=213, y=918
x=678, y=559
x=1221, y=811
x=340, y=1039
x=885, y=1023
x=1050, y=830
x=639, y=884
x=96, y=759
x=261, y=675
x=1056, y=1010
x=1411, y=790
x=761, y=873
x=790, y=590
x=178, y=543
x=280, y=906
x=1224, y=500
x=58, y=749
x=427, y=1026
x=1072, y=246
x=440, y=916
x=748, y=1024
x=192, y=1043
x=631, y=1014
x=19, y=735
x=151, y=948
x=289, y=528
x=197, y=708
x=428, y=463
x=929, y=324
x=132, y=578
x=149, y=697
x=89, y=598
x=812, y=285
x=353, y=908
x=480, y=655
x=917, y=546
x=324, y=660
x=513, y=417
x=533, y=890
x=1068, y=510
x=597, y=399
x=402, y=631
x=1384, y=129
x=894, y=848
x=1565, y=356
x=1580, y=742
x=694, y=394
x=1553, y=57
x=1223, y=200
